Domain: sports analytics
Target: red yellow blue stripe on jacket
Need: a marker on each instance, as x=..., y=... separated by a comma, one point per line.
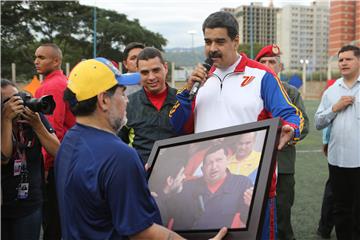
x=250, y=93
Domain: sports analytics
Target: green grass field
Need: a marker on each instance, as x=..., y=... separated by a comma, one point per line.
x=311, y=175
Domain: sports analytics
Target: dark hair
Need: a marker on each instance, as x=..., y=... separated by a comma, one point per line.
x=150, y=53
x=130, y=47
x=222, y=19
x=5, y=83
x=215, y=148
x=85, y=107
x=55, y=48
x=346, y=48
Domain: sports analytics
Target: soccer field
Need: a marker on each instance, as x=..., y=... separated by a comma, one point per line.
x=311, y=175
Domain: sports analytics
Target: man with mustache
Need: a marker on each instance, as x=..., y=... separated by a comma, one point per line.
x=237, y=90
x=100, y=181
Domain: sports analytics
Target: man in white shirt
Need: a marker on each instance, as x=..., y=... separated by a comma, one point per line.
x=340, y=107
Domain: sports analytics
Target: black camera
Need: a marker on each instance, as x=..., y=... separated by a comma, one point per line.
x=45, y=104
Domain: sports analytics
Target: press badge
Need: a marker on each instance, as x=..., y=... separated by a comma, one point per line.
x=23, y=190
x=17, y=167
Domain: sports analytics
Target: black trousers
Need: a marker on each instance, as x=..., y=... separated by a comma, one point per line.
x=326, y=223
x=285, y=194
x=51, y=217
x=345, y=183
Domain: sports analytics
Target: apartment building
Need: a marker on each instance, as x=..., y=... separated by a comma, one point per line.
x=302, y=33
x=344, y=26
x=256, y=22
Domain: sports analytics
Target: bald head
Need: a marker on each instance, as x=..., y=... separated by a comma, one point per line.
x=244, y=145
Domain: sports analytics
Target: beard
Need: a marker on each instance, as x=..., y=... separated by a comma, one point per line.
x=118, y=123
x=115, y=121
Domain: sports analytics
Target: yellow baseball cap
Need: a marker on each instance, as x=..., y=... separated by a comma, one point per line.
x=91, y=77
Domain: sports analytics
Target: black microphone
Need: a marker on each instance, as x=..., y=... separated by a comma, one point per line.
x=195, y=88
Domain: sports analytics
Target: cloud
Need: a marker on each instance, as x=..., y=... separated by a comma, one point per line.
x=172, y=18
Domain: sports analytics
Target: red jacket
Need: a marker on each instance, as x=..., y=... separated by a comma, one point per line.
x=62, y=119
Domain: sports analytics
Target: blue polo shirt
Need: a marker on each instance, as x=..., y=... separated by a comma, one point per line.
x=101, y=187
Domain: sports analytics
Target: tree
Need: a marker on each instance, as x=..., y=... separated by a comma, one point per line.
x=27, y=24
x=245, y=48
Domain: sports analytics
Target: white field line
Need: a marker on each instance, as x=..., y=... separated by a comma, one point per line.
x=309, y=151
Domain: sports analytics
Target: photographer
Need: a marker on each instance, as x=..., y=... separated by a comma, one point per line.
x=23, y=133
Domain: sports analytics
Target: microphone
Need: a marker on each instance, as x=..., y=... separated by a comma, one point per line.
x=195, y=88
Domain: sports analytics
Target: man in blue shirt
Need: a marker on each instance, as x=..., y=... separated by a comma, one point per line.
x=340, y=108
x=101, y=184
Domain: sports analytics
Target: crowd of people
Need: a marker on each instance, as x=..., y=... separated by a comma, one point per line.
x=80, y=172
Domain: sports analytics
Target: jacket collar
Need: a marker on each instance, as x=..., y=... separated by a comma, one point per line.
x=239, y=68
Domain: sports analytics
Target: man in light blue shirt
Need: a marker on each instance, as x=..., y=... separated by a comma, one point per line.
x=340, y=107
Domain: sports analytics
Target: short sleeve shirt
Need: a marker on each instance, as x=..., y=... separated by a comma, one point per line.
x=101, y=187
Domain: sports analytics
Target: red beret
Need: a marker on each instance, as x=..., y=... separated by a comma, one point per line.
x=268, y=51
x=115, y=64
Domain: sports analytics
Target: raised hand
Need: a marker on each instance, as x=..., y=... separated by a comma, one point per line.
x=175, y=184
x=198, y=75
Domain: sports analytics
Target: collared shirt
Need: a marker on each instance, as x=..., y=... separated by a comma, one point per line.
x=62, y=119
x=344, y=142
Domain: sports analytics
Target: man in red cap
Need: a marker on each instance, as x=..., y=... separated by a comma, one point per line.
x=285, y=191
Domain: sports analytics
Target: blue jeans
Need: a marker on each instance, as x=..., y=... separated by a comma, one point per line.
x=25, y=228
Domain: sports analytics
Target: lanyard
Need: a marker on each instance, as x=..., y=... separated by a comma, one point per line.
x=20, y=165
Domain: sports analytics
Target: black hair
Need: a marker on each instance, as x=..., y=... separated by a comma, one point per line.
x=130, y=47
x=222, y=19
x=353, y=48
x=150, y=53
x=214, y=148
x=5, y=83
x=55, y=48
x=85, y=107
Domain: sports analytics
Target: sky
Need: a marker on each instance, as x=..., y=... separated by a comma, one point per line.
x=179, y=21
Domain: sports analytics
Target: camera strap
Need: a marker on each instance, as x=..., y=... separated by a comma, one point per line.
x=20, y=165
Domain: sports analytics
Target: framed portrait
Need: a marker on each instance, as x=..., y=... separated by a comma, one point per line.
x=205, y=181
